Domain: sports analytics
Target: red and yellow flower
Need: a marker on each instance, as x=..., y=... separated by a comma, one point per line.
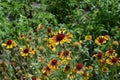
x=79, y=68
x=66, y=68
x=65, y=55
x=111, y=53
x=112, y=60
x=46, y=71
x=101, y=40
x=61, y=37
x=25, y=51
x=9, y=44
x=54, y=64
x=99, y=56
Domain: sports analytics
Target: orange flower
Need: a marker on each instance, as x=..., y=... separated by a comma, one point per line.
x=21, y=37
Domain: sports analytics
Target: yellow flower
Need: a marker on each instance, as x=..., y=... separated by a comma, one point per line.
x=40, y=26
x=66, y=68
x=71, y=75
x=21, y=36
x=101, y=40
x=41, y=48
x=25, y=51
x=33, y=51
x=105, y=69
x=115, y=43
x=76, y=44
x=53, y=64
x=88, y=37
x=9, y=44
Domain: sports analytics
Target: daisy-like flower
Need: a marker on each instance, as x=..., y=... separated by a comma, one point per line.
x=9, y=44
x=99, y=56
x=79, y=68
x=65, y=55
x=71, y=75
x=115, y=43
x=25, y=51
x=112, y=60
x=61, y=37
x=33, y=51
x=105, y=69
x=46, y=71
x=21, y=36
x=88, y=37
x=66, y=69
x=111, y=53
x=101, y=40
x=53, y=64
x=52, y=46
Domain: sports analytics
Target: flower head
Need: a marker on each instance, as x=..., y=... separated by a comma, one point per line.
x=65, y=55
x=88, y=37
x=112, y=60
x=101, y=40
x=79, y=67
x=60, y=37
x=111, y=53
x=54, y=64
x=9, y=44
x=105, y=69
x=46, y=71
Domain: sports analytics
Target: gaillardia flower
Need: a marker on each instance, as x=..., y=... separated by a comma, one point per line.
x=46, y=71
x=25, y=51
x=101, y=40
x=53, y=64
x=112, y=60
x=66, y=69
x=111, y=53
x=9, y=44
x=65, y=55
x=79, y=68
x=99, y=56
x=61, y=37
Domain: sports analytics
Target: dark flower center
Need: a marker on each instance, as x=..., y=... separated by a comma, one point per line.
x=54, y=62
x=99, y=55
x=49, y=30
x=34, y=78
x=111, y=51
x=26, y=50
x=101, y=40
x=66, y=53
x=67, y=67
x=47, y=68
x=60, y=37
x=114, y=60
x=79, y=66
x=9, y=42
